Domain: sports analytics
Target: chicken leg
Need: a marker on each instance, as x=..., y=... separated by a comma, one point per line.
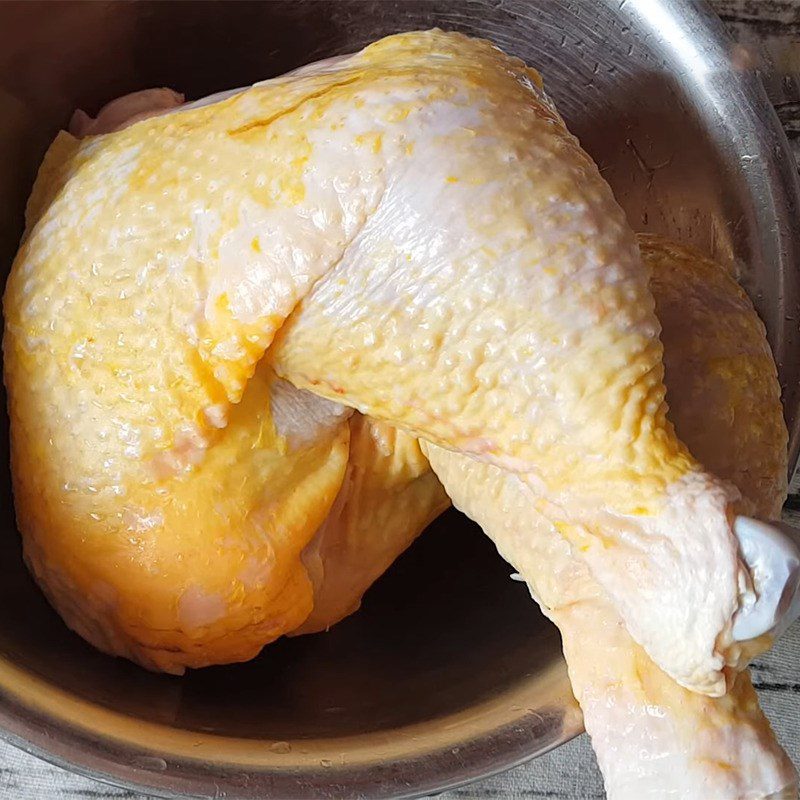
x=653, y=738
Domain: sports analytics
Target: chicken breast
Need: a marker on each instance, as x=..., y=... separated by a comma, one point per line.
x=433, y=249
x=653, y=738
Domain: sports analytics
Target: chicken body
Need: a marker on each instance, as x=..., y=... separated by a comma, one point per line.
x=431, y=247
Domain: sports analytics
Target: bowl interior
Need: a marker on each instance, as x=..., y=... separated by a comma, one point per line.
x=444, y=630
x=446, y=649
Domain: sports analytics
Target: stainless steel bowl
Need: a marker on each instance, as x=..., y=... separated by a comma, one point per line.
x=448, y=673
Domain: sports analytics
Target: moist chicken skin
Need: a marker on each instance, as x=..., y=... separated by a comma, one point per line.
x=694, y=747
x=351, y=472
x=389, y=495
x=432, y=248
x=653, y=738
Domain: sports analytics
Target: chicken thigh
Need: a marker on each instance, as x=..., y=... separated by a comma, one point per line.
x=373, y=489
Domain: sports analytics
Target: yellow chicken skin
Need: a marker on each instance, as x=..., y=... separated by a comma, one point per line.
x=168, y=620
x=449, y=261
x=653, y=738
x=180, y=572
x=722, y=384
x=388, y=497
x=290, y=521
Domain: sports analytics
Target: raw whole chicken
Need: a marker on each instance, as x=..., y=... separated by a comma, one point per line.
x=201, y=298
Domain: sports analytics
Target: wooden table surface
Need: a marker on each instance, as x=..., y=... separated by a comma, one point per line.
x=569, y=773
